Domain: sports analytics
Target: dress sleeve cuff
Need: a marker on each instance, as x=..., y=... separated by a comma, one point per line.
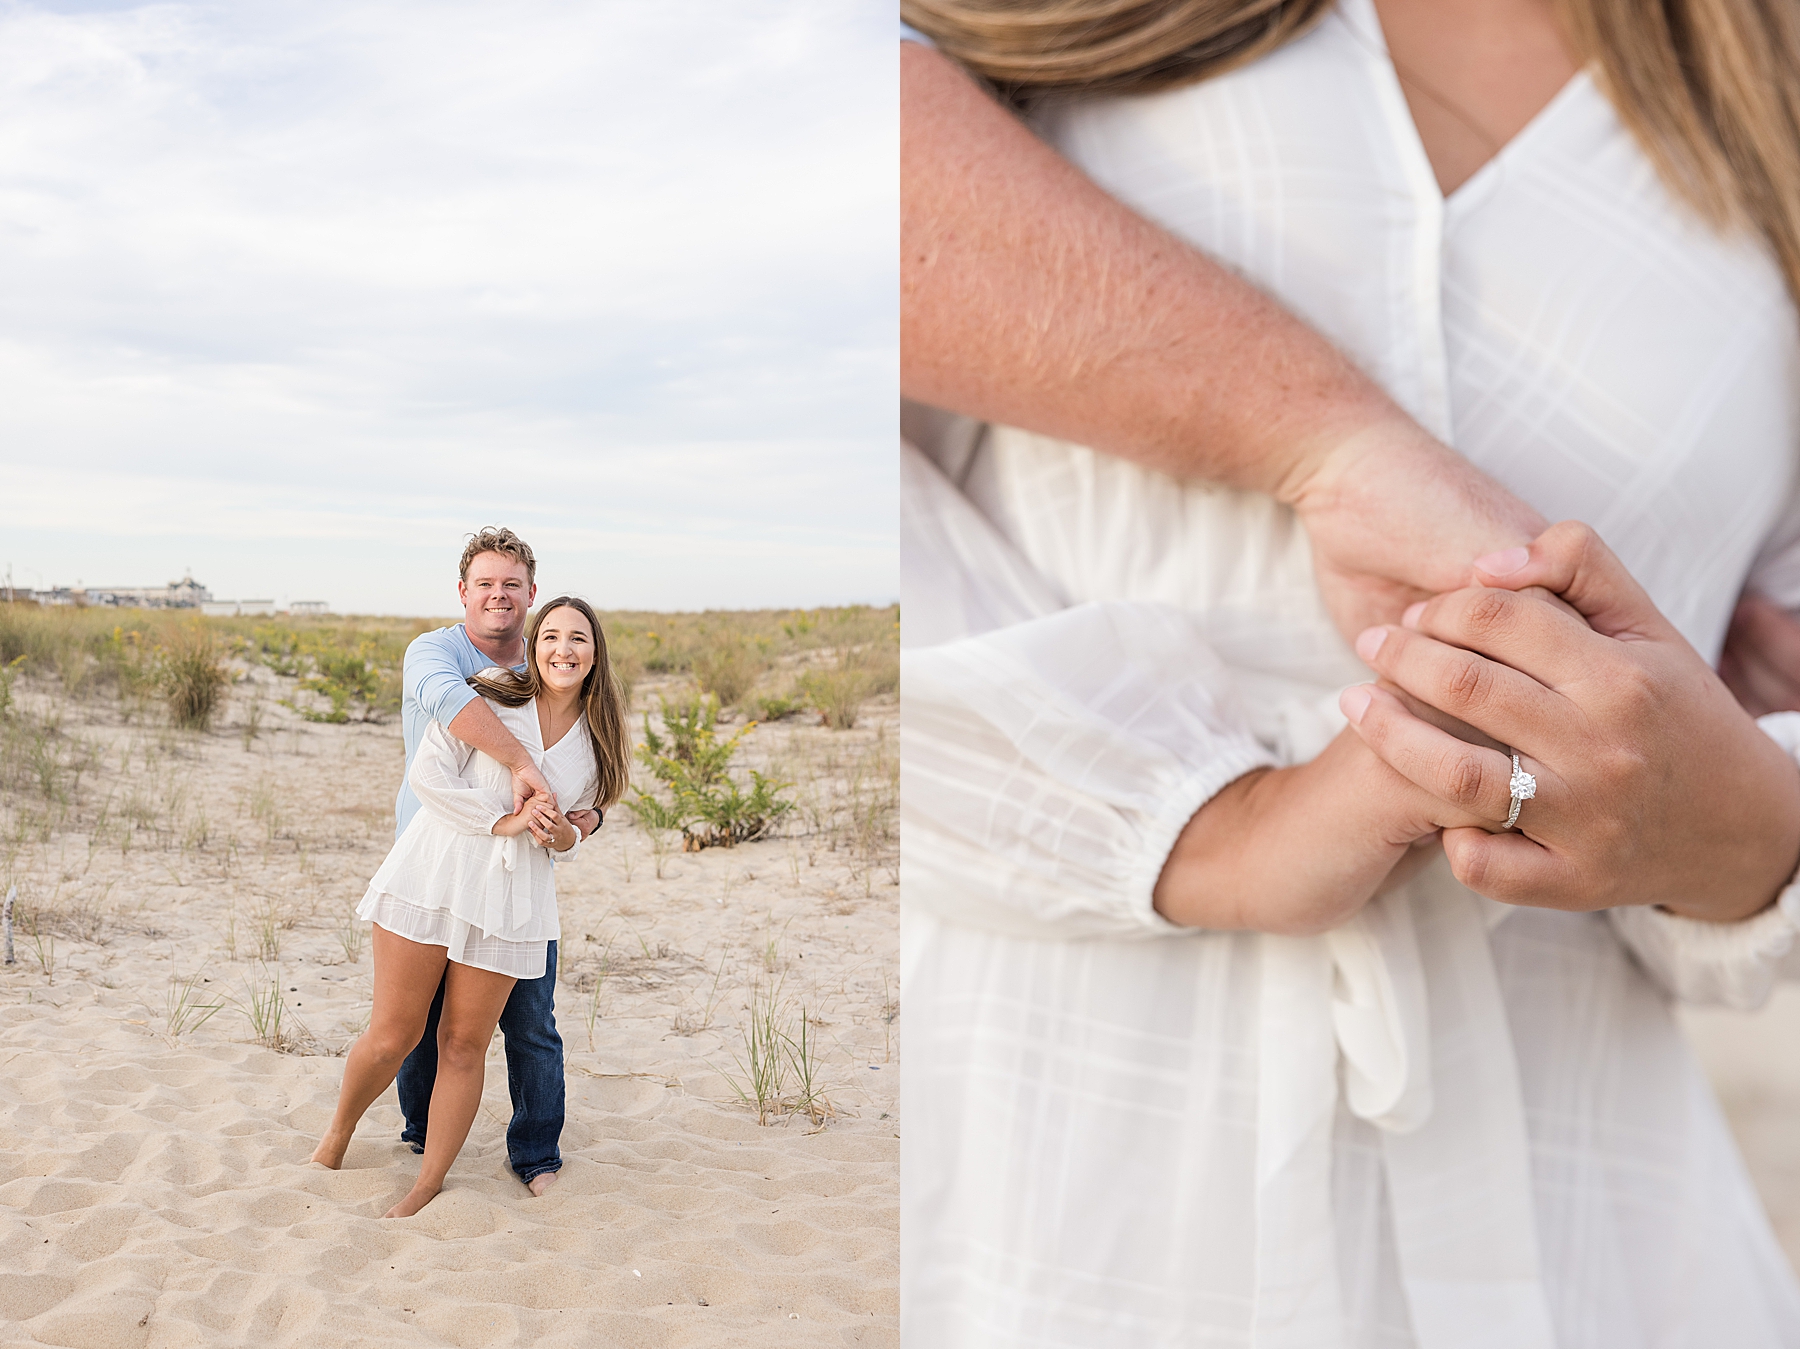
x=1162, y=831
x=1732, y=964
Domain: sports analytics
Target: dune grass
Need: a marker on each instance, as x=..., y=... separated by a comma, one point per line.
x=346, y=667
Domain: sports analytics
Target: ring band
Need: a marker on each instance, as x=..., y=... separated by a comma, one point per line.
x=1524, y=787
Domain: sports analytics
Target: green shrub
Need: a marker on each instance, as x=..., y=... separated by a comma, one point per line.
x=345, y=678
x=726, y=815
x=705, y=802
x=690, y=739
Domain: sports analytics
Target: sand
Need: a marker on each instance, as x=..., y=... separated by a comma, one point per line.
x=155, y=1187
x=1753, y=1060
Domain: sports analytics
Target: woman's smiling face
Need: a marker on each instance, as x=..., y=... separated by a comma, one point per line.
x=565, y=649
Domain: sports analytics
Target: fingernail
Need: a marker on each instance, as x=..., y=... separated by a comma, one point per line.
x=1369, y=641
x=1503, y=563
x=1354, y=701
x=1410, y=619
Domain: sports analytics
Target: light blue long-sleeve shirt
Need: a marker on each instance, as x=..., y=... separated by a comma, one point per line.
x=435, y=675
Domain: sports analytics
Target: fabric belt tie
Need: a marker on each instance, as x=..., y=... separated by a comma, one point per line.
x=1427, y=1061
x=1431, y=1064
x=506, y=906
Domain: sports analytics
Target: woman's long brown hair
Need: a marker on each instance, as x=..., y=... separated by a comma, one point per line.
x=602, y=705
x=1710, y=88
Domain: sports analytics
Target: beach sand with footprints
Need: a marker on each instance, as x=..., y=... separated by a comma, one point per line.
x=154, y=1182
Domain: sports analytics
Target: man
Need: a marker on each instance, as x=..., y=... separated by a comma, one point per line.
x=497, y=583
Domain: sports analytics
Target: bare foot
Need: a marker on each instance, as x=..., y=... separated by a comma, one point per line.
x=415, y=1200
x=330, y=1151
x=543, y=1181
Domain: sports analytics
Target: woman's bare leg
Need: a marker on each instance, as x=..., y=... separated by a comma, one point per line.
x=406, y=980
x=473, y=1000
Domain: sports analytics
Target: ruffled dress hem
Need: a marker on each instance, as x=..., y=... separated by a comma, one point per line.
x=465, y=943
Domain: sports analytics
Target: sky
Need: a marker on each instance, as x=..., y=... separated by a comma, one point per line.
x=295, y=296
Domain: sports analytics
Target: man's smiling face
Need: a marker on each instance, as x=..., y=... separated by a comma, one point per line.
x=496, y=596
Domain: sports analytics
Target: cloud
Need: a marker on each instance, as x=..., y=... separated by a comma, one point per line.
x=358, y=277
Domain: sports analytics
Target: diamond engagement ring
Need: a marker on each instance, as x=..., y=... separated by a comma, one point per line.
x=1523, y=786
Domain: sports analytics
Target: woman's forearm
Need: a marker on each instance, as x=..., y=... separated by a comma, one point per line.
x=1292, y=850
x=1031, y=297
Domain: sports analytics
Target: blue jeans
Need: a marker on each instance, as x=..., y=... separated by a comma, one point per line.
x=534, y=1075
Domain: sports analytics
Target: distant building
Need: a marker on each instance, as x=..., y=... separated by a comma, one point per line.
x=60, y=595
x=187, y=593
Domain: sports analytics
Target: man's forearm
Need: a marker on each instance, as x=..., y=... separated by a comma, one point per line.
x=1031, y=297
x=478, y=727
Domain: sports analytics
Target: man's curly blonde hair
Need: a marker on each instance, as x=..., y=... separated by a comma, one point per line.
x=497, y=539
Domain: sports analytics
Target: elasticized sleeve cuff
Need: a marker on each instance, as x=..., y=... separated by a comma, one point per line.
x=1161, y=832
x=1731, y=964
x=1047, y=768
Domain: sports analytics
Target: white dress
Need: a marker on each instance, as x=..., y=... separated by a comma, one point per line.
x=449, y=881
x=1447, y=1124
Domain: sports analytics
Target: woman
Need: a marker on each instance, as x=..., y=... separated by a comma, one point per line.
x=1443, y=1121
x=465, y=886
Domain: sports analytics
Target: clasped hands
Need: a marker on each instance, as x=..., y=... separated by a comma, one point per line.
x=1654, y=786
x=535, y=811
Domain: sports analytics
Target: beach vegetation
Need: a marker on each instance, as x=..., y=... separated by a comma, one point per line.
x=779, y=1069
x=591, y=1007
x=43, y=946
x=351, y=934
x=9, y=671
x=724, y=641
x=272, y=1024
x=769, y=706
x=763, y=1064
x=726, y=665
x=187, y=1007
x=250, y=725
x=686, y=1024
x=703, y=799
x=263, y=1008
x=351, y=663
x=349, y=680
x=839, y=687
x=192, y=676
